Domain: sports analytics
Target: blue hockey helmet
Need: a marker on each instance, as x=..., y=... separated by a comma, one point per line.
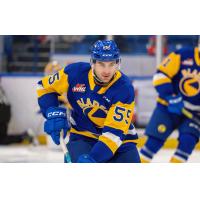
x=105, y=50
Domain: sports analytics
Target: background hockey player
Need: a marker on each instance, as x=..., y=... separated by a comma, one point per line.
x=102, y=103
x=177, y=82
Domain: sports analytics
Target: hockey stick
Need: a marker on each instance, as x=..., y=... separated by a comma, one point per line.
x=189, y=115
x=67, y=158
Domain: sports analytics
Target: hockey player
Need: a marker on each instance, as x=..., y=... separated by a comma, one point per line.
x=177, y=82
x=52, y=67
x=102, y=103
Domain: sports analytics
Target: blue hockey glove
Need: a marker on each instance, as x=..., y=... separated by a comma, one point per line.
x=56, y=121
x=85, y=158
x=175, y=104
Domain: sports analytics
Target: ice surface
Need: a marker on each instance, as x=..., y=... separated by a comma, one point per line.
x=44, y=154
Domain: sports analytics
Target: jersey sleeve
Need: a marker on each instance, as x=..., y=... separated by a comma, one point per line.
x=116, y=125
x=50, y=87
x=162, y=80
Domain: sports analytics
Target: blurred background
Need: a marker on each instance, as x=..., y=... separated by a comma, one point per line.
x=23, y=59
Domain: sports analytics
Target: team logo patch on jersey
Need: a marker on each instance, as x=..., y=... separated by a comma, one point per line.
x=188, y=62
x=79, y=88
x=190, y=82
x=93, y=110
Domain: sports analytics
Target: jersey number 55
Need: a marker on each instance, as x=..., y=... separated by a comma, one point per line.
x=121, y=114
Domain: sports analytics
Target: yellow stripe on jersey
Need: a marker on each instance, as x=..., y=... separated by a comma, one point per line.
x=119, y=116
x=132, y=141
x=104, y=89
x=57, y=82
x=91, y=80
x=162, y=101
x=197, y=56
x=170, y=65
x=160, y=78
x=112, y=145
x=84, y=133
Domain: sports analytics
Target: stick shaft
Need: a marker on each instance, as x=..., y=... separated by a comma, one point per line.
x=67, y=158
x=62, y=143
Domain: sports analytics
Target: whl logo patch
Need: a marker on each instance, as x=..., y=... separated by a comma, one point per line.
x=79, y=88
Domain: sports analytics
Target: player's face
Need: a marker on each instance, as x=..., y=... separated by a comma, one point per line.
x=105, y=70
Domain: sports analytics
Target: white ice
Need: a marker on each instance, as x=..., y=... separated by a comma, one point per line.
x=44, y=154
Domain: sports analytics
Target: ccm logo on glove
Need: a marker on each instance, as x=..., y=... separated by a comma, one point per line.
x=56, y=113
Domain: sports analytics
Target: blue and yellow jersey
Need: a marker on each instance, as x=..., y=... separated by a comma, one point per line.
x=180, y=73
x=101, y=113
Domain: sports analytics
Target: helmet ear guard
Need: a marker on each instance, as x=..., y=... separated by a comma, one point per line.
x=92, y=61
x=119, y=63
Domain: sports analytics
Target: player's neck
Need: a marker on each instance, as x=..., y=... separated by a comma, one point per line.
x=99, y=82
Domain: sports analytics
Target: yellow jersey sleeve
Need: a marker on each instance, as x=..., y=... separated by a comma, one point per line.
x=56, y=83
x=167, y=70
x=170, y=65
x=116, y=125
